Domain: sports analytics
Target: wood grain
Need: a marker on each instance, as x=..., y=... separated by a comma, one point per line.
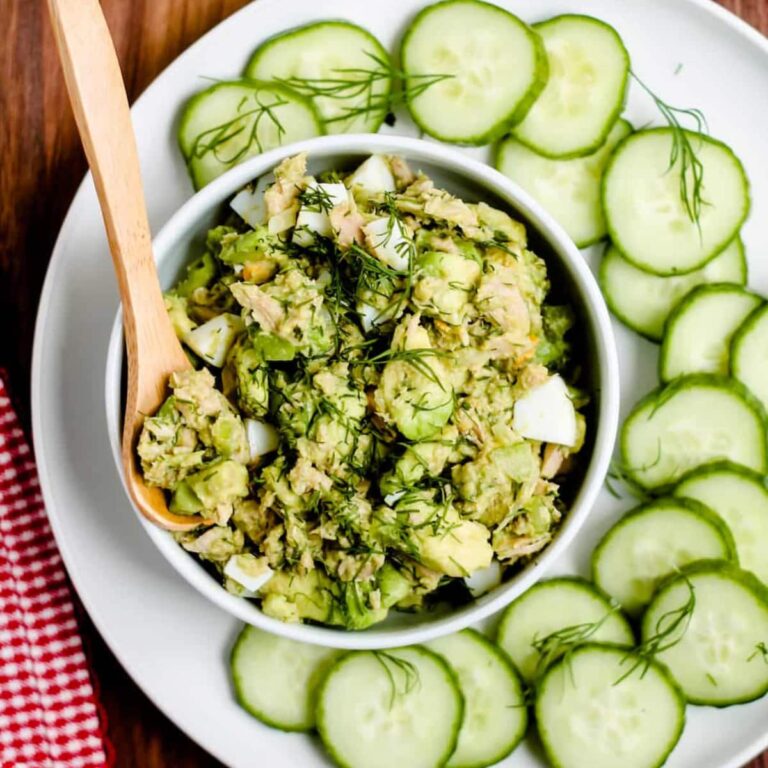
x=41, y=164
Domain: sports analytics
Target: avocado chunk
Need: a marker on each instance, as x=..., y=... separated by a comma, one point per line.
x=272, y=348
x=353, y=609
x=393, y=584
x=176, y=307
x=200, y=274
x=445, y=542
x=238, y=249
x=251, y=379
x=444, y=285
x=220, y=483
x=293, y=597
x=184, y=500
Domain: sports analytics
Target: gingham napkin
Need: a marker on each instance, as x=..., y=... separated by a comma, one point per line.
x=49, y=714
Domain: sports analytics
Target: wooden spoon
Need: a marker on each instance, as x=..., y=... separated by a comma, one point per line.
x=97, y=92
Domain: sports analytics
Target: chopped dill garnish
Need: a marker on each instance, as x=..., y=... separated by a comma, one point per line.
x=317, y=198
x=670, y=629
x=355, y=88
x=684, y=155
x=248, y=120
x=414, y=357
x=563, y=642
x=619, y=483
x=395, y=667
x=761, y=649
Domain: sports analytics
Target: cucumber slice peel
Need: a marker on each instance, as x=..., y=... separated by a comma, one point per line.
x=586, y=719
x=552, y=606
x=378, y=709
x=652, y=541
x=643, y=301
x=585, y=93
x=568, y=189
x=740, y=497
x=495, y=715
x=318, y=58
x=231, y=121
x=749, y=352
x=692, y=421
x=698, y=332
x=715, y=656
x=646, y=217
x=496, y=65
x=275, y=678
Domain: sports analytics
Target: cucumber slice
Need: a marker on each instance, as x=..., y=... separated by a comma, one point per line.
x=378, y=709
x=275, y=679
x=495, y=62
x=645, y=213
x=589, y=68
x=643, y=301
x=716, y=656
x=230, y=122
x=588, y=720
x=698, y=332
x=321, y=57
x=692, y=421
x=551, y=606
x=653, y=541
x=568, y=189
x=749, y=354
x=495, y=715
x=740, y=497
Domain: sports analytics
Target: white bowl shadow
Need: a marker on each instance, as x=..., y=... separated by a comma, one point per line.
x=467, y=178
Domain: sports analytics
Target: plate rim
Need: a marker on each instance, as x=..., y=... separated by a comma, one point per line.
x=711, y=7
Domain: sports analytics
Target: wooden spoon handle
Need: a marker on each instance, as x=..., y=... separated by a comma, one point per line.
x=95, y=84
x=97, y=93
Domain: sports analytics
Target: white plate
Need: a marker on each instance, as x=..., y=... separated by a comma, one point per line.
x=172, y=641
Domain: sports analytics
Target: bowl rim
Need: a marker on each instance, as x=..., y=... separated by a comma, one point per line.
x=598, y=322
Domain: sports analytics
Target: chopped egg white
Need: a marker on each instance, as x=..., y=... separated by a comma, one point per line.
x=484, y=579
x=249, y=204
x=313, y=221
x=389, y=242
x=262, y=438
x=213, y=340
x=547, y=414
x=373, y=176
x=235, y=570
x=392, y=498
x=337, y=193
x=309, y=224
x=368, y=316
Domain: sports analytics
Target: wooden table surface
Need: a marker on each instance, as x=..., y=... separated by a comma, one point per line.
x=41, y=165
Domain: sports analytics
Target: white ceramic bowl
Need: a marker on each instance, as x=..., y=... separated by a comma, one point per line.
x=470, y=180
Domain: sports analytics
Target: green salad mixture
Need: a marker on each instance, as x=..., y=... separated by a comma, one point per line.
x=378, y=416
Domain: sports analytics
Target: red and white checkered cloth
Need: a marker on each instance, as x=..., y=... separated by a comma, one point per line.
x=49, y=714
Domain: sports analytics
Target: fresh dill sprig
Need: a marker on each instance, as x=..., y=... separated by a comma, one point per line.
x=669, y=631
x=355, y=88
x=414, y=357
x=248, y=120
x=405, y=670
x=370, y=265
x=563, y=642
x=317, y=198
x=684, y=155
x=761, y=649
x=619, y=483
